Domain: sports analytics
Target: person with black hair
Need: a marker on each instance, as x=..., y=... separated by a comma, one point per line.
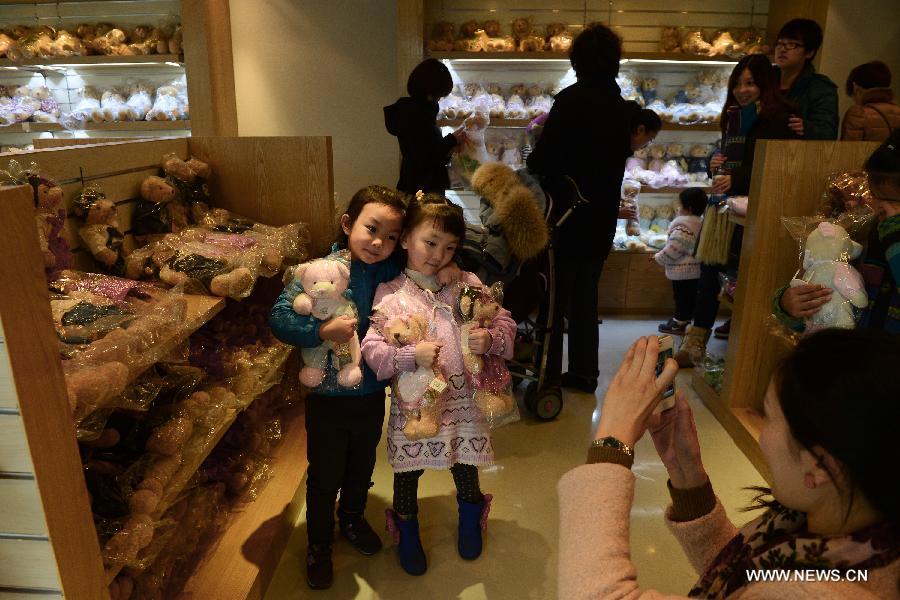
x=754, y=109
x=880, y=264
x=677, y=256
x=582, y=149
x=645, y=125
x=828, y=437
x=413, y=121
x=814, y=94
x=875, y=115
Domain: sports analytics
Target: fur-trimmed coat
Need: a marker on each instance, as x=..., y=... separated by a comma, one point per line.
x=512, y=228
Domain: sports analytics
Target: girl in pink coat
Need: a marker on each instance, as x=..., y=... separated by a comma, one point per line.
x=434, y=230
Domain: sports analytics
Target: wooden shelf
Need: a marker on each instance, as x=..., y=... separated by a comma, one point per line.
x=646, y=189
x=97, y=61
x=564, y=56
x=29, y=127
x=691, y=127
x=498, y=122
x=245, y=557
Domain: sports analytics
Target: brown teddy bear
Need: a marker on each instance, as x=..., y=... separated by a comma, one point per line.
x=526, y=38
x=442, y=34
x=668, y=41
x=488, y=374
x=90, y=387
x=418, y=391
x=161, y=210
x=559, y=38
x=100, y=232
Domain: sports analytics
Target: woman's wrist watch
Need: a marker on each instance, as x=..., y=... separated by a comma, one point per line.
x=611, y=450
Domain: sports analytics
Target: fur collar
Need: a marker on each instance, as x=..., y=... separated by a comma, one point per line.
x=515, y=208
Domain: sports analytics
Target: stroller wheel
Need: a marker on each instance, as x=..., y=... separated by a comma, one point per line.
x=545, y=404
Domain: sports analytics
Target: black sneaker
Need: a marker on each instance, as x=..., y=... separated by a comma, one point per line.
x=673, y=327
x=721, y=332
x=359, y=533
x=319, y=569
x=578, y=382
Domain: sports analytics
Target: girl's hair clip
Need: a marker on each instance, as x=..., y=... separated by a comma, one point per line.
x=419, y=195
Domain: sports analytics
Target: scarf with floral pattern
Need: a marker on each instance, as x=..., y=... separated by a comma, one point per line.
x=778, y=539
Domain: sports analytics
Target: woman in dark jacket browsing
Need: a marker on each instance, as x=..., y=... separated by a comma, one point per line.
x=754, y=110
x=413, y=120
x=586, y=139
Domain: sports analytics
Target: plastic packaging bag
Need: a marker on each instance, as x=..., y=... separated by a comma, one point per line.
x=826, y=250
x=324, y=296
x=844, y=192
x=418, y=393
x=715, y=234
x=629, y=199
x=487, y=373
x=473, y=152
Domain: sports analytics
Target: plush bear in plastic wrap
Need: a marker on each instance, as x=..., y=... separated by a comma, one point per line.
x=417, y=391
x=114, y=107
x=629, y=198
x=190, y=178
x=698, y=164
x=675, y=152
x=490, y=378
x=657, y=155
x=648, y=89
x=48, y=112
x=526, y=39
x=669, y=40
x=324, y=282
x=512, y=156
x=100, y=232
x=722, y=44
x=491, y=27
x=51, y=220
x=494, y=149
x=471, y=38
x=161, y=210
x=664, y=215
x=826, y=262
x=140, y=100
x=67, y=44
x=646, y=214
x=515, y=107
x=111, y=43
x=167, y=106
x=693, y=42
x=559, y=38
x=442, y=34
x=6, y=43
x=220, y=267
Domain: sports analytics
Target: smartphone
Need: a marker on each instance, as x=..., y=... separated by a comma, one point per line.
x=666, y=351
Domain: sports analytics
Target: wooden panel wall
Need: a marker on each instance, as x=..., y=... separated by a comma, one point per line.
x=209, y=66
x=784, y=10
x=275, y=180
x=788, y=179
x=410, y=25
x=638, y=22
x=36, y=373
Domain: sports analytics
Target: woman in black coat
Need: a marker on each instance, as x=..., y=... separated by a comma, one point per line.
x=587, y=138
x=754, y=110
x=413, y=120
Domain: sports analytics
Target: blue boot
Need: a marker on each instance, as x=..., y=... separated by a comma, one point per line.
x=409, y=545
x=472, y=521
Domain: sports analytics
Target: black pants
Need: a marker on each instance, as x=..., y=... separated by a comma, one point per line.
x=710, y=284
x=406, y=488
x=685, y=292
x=577, y=273
x=342, y=438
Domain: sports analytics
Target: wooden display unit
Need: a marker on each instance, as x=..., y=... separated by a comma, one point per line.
x=788, y=179
x=47, y=540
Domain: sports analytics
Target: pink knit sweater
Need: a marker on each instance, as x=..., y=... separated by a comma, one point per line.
x=594, y=557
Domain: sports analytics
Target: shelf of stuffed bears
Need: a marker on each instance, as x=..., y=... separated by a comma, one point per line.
x=788, y=180
x=80, y=69
x=54, y=446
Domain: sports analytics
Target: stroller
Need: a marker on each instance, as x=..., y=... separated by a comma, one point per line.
x=494, y=253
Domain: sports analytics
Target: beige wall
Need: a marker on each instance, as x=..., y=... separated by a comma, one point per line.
x=320, y=67
x=857, y=32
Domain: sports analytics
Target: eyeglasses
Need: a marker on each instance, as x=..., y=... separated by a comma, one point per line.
x=788, y=44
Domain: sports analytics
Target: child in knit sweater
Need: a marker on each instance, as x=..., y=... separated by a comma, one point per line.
x=682, y=267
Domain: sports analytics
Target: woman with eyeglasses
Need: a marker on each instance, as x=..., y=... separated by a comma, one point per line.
x=815, y=94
